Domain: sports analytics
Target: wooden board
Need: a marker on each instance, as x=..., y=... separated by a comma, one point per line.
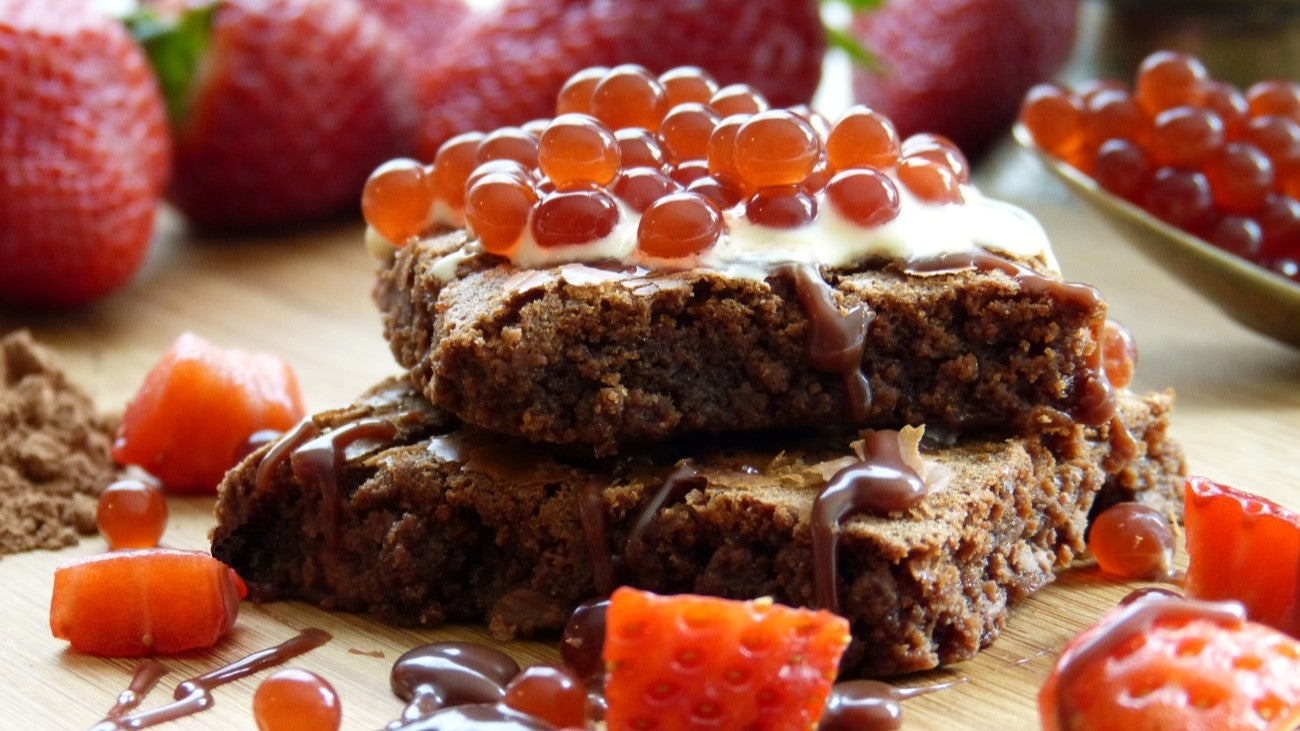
x=306, y=296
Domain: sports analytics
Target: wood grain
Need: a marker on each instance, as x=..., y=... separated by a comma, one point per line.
x=306, y=296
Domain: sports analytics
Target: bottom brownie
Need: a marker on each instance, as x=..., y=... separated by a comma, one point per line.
x=392, y=507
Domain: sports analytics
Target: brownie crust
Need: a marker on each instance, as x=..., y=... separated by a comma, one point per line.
x=590, y=356
x=446, y=522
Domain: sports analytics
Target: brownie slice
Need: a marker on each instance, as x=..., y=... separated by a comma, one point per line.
x=609, y=358
x=392, y=507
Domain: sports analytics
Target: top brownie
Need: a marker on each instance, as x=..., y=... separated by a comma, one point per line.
x=603, y=356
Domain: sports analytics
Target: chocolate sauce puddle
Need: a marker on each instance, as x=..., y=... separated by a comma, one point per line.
x=836, y=340
x=879, y=483
x=435, y=676
x=1098, y=401
x=195, y=694
x=320, y=460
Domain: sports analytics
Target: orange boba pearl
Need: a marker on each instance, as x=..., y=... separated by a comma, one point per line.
x=685, y=130
x=679, y=225
x=575, y=95
x=452, y=165
x=687, y=84
x=737, y=99
x=776, y=148
x=576, y=148
x=862, y=137
x=629, y=96
x=397, y=199
x=497, y=207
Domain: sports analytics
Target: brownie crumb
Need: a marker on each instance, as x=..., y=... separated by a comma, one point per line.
x=54, y=450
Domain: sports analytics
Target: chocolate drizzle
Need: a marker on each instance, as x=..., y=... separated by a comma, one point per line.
x=836, y=340
x=1097, y=404
x=680, y=481
x=606, y=567
x=147, y=675
x=284, y=446
x=320, y=460
x=870, y=705
x=880, y=482
x=195, y=694
x=1133, y=619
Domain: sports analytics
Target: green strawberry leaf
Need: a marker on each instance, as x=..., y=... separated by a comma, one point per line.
x=842, y=39
x=175, y=47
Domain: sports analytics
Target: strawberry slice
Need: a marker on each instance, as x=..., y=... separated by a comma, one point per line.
x=200, y=403
x=1174, y=663
x=688, y=662
x=1244, y=547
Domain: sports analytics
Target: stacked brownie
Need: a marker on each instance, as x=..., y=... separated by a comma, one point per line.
x=915, y=444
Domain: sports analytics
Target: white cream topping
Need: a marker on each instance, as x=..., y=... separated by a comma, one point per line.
x=920, y=231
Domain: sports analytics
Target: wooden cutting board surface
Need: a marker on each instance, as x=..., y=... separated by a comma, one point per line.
x=306, y=297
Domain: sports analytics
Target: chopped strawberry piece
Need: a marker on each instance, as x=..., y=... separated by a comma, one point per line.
x=1173, y=663
x=687, y=662
x=1244, y=547
x=144, y=601
x=187, y=423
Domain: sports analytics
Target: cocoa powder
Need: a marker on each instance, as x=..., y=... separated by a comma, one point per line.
x=54, y=450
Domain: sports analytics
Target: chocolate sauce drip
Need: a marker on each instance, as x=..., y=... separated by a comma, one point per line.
x=591, y=513
x=1123, y=447
x=836, y=340
x=1148, y=592
x=291, y=440
x=1098, y=401
x=477, y=716
x=582, y=645
x=880, y=483
x=147, y=675
x=869, y=705
x=442, y=674
x=1133, y=619
x=195, y=694
x=680, y=481
x=319, y=462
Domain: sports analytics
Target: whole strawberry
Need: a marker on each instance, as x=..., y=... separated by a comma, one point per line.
x=84, y=153
x=505, y=67
x=288, y=106
x=959, y=67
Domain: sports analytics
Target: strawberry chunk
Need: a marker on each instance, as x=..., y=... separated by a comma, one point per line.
x=1244, y=547
x=144, y=601
x=1174, y=663
x=687, y=662
x=200, y=403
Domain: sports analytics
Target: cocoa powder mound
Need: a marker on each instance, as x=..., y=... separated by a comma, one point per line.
x=54, y=450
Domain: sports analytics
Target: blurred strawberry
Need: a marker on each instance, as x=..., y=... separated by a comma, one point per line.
x=425, y=24
x=83, y=153
x=506, y=66
x=280, y=108
x=959, y=67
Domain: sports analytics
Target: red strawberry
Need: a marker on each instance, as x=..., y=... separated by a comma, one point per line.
x=425, y=24
x=688, y=662
x=960, y=67
x=83, y=153
x=1172, y=663
x=506, y=66
x=1241, y=546
x=198, y=406
x=289, y=106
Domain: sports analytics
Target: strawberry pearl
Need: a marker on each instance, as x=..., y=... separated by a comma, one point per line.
x=497, y=207
x=452, y=166
x=566, y=218
x=575, y=95
x=864, y=196
x=687, y=84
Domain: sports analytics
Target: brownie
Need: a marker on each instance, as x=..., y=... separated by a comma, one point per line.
x=392, y=506
x=606, y=358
